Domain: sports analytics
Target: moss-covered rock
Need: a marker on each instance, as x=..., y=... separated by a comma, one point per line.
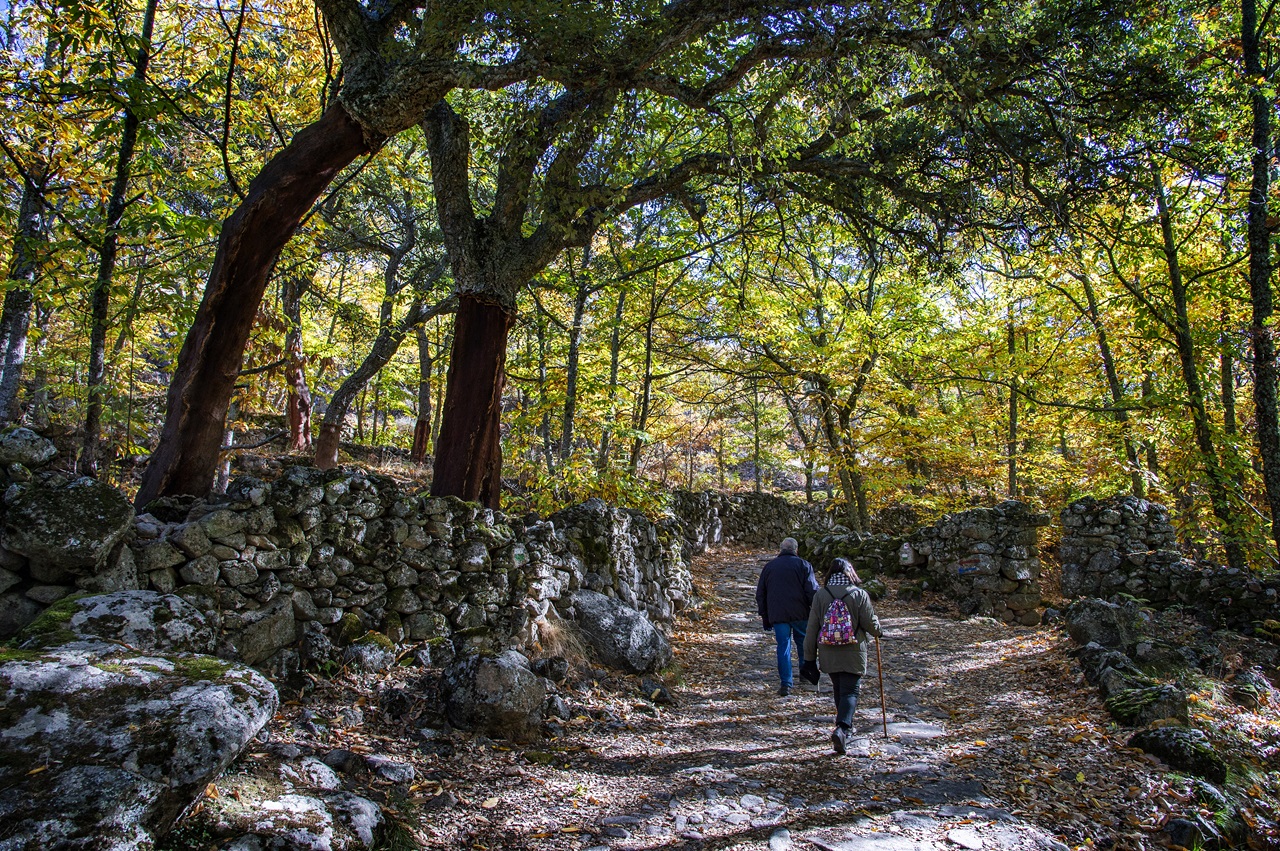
x=1184, y=749
x=1147, y=704
x=67, y=531
x=104, y=747
x=143, y=620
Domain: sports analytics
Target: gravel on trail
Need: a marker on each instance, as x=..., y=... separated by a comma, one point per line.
x=994, y=741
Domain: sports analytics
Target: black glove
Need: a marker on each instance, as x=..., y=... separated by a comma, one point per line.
x=809, y=672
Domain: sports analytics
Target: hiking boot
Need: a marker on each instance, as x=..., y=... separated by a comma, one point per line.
x=838, y=739
x=784, y=690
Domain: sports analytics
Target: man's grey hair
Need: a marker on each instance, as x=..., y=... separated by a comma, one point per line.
x=789, y=545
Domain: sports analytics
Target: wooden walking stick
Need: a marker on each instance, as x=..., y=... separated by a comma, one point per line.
x=884, y=720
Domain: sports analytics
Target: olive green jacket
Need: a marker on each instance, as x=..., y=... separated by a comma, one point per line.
x=849, y=659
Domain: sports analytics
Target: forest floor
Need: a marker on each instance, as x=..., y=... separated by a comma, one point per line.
x=994, y=741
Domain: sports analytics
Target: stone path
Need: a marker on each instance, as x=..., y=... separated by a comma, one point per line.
x=736, y=767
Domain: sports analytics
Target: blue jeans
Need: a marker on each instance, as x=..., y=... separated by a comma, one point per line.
x=845, y=688
x=784, y=632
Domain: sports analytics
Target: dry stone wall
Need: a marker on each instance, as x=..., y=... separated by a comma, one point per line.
x=348, y=551
x=985, y=558
x=707, y=518
x=1126, y=545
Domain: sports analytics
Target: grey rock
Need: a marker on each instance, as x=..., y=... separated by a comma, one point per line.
x=144, y=621
x=1183, y=748
x=1114, y=626
x=16, y=612
x=23, y=446
x=621, y=636
x=68, y=530
x=389, y=769
x=498, y=695
x=129, y=741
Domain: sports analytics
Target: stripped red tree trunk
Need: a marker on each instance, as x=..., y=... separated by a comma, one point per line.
x=252, y=237
x=468, y=460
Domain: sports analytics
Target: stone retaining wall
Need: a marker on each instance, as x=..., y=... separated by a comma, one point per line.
x=756, y=519
x=352, y=551
x=1126, y=545
x=986, y=559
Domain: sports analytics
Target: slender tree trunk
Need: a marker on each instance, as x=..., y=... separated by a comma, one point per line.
x=1217, y=481
x=1121, y=416
x=544, y=429
x=1261, y=333
x=385, y=345
x=755, y=433
x=468, y=460
x=30, y=243
x=422, y=426
x=251, y=240
x=1011, y=445
x=840, y=457
x=298, y=402
x=1149, y=446
x=571, y=372
x=646, y=389
x=99, y=314
x=615, y=350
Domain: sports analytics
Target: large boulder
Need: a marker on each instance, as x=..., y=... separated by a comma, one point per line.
x=67, y=532
x=495, y=694
x=1112, y=625
x=104, y=748
x=621, y=636
x=145, y=621
x=23, y=446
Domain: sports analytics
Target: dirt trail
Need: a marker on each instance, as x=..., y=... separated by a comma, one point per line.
x=995, y=742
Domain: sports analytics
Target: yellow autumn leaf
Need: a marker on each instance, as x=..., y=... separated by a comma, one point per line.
x=1079, y=776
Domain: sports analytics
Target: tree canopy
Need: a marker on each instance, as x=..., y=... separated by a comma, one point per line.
x=903, y=257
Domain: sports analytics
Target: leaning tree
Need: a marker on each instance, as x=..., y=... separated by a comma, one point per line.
x=600, y=109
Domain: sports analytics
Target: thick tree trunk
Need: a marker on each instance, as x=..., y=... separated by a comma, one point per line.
x=298, y=403
x=29, y=246
x=251, y=240
x=1217, y=483
x=468, y=460
x=1261, y=332
x=422, y=427
x=100, y=311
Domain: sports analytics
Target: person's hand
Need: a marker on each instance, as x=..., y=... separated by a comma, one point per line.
x=768, y=626
x=809, y=672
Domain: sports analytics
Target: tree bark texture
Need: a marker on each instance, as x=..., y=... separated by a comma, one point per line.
x=100, y=310
x=1261, y=333
x=469, y=449
x=251, y=240
x=298, y=403
x=1217, y=483
x=30, y=243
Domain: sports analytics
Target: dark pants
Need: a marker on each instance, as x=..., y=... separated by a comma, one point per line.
x=846, y=695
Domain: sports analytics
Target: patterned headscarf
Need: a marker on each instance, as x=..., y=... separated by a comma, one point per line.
x=843, y=573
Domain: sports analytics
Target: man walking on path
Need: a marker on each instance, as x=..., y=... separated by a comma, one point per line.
x=783, y=597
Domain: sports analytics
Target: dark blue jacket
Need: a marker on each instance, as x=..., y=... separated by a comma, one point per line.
x=785, y=590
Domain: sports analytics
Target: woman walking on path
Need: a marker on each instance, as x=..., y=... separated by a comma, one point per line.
x=845, y=663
